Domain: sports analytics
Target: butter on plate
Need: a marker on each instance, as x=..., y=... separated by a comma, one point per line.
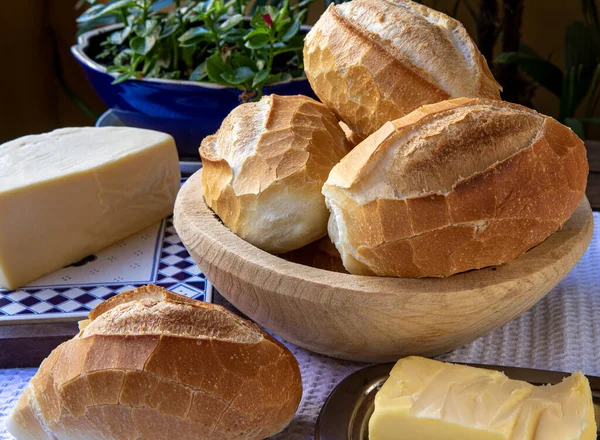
x=427, y=399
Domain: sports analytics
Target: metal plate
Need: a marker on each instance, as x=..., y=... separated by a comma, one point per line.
x=346, y=413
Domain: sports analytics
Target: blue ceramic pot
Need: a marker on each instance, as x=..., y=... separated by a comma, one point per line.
x=188, y=110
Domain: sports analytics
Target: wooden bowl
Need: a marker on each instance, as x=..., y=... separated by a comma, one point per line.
x=372, y=318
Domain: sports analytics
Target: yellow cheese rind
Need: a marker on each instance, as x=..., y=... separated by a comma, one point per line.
x=72, y=192
x=434, y=400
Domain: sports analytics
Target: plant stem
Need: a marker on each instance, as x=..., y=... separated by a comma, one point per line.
x=271, y=49
x=211, y=26
x=175, y=60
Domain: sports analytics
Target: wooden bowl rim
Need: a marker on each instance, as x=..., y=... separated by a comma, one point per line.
x=206, y=223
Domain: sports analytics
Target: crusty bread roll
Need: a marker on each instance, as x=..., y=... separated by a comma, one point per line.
x=264, y=169
x=352, y=137
x=454, y=186
x=373, y=61
x=150, y=364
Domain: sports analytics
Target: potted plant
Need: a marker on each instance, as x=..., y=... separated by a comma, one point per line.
x=182, y=66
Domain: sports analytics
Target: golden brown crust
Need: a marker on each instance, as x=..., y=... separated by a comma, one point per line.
x=353, y=138
x=459, y=185
x=367, y=80
x=264, y=169
x=163, y=381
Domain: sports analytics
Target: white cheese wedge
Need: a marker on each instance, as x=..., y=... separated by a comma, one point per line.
x=69, y=193
x=426, y=399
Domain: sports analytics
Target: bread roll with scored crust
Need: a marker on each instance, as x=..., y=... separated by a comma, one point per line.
x=352, y=137
x=150, y=364
x=264, y=169
x=453, y=186
x=374, y=61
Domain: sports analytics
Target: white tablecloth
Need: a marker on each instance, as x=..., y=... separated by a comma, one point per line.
x=562, y=332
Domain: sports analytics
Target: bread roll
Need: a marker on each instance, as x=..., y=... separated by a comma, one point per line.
x=264, y=169
x=454, y=186
x=352, y=137
x=373, y=61
x=150, y=364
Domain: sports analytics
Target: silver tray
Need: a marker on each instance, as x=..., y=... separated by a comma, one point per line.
x=346, y=413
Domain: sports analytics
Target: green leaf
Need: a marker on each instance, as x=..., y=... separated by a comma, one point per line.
x=260, y=78
x=142, y=45
x=231, y=22
x=297, y=40
x=124, y=76
x=257, y=31
x=118, y=37
x=199, y=72
x=112, y=8
x=120, y=69
x=274, y=78
x=149, y=65
x=171, y=75
x=155, y=71
x=577, y=126
x=146, y=28
x=123, y=58
x=187, y=55
x=91, y=13
x=292, y=30
x=282, y=24
x=239, y=60
x=288, y=49
x=238, y=75
x=257, y=42
x=215, y=67
x=168, y=31
x=235, y=35
x=541, y=71
x=196, y=35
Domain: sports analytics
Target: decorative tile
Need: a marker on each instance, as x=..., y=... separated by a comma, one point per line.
x=13, y=308
x=154, y=255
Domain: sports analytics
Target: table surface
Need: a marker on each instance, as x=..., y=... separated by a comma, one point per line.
x=561, y=333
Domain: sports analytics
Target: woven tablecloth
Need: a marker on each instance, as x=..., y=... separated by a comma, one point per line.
x=561, y=332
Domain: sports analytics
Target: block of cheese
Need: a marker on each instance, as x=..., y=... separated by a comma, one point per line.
x=426, y=399
x=69, y=193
